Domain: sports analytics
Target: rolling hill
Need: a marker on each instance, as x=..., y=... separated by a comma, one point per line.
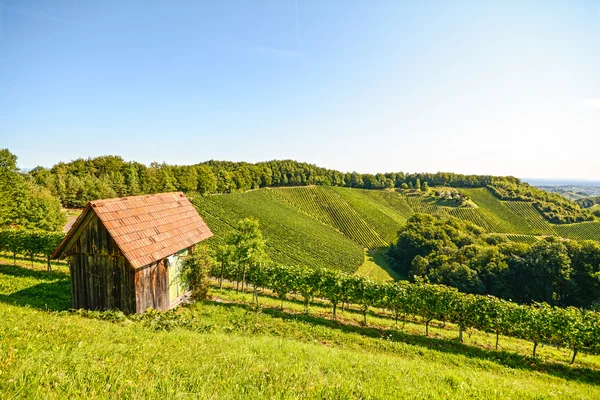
x=325, y=226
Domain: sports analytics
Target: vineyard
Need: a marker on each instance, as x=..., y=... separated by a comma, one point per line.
x=534, y=219
x=570, y=327
x=501, y=217
x=221, y=348
x=32, y=243
x=327, y=206
x=329, y=227
x=376, y=211
x=527, y=239
x=292, y=236
x=422, y=204
x=580, y=231
x=475, y=216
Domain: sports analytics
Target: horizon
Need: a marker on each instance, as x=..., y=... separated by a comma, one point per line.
x=503, y=89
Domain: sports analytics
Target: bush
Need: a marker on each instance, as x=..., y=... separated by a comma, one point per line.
x=196, y=269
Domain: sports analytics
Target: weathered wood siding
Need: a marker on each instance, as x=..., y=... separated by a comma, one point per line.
x=152, y=287
x=101, y=277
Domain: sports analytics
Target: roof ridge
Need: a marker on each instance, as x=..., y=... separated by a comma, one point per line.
x=101, y=202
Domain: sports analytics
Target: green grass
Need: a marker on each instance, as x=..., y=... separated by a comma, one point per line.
x=377, y=267
x=293, y=237
x=227, y=349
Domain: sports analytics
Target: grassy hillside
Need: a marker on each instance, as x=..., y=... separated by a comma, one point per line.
x=225, y=348
x=292, y=236
x=327, y=206
x=329, y=227
x=317, y=225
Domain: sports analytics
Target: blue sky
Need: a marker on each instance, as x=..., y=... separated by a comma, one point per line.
x=504, y=88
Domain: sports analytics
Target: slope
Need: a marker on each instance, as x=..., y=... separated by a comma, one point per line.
x=327, y=206
x=222, y=349
x=292, y=237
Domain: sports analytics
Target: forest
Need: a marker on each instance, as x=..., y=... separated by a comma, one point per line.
x=460, y=254
x=82, y=180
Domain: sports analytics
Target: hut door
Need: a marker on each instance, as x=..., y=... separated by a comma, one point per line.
x=177, y=286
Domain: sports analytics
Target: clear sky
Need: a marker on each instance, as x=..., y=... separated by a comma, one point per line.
x=503, y=88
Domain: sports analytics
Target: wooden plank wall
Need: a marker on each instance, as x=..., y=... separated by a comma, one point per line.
x=152, y=287
x=101, y=277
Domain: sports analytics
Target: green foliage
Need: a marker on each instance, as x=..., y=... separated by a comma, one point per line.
x=82, y=180
x=588, y=202
x=30, y=242
x=451, y=252
x=539, y=323
x=23, y=204
x=552, y=206
x=196, y=269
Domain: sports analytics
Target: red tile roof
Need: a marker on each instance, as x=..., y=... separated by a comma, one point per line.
x=148, y=228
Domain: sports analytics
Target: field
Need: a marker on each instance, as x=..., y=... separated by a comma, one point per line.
x=377, y=267
x=502, y=218
x=317, y=226
x=226, y=348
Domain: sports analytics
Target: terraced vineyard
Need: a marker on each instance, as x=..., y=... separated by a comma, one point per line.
x=392, y=200
x=499, y=216
x=538, y=224
x=475, y=216
x=292, y=236
x=327, y=206
x=421, y=204
x=376, y=212
x=528, y=239
x=582, y=230
x=330, y=226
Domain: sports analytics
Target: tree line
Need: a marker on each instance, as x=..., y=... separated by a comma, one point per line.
x=552, y=206
x=82, y=180
x=460, y=254
x=243, y=261
x=588, y=202
x=23, y=203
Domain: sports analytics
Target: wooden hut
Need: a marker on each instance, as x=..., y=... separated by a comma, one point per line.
x=126, y=253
